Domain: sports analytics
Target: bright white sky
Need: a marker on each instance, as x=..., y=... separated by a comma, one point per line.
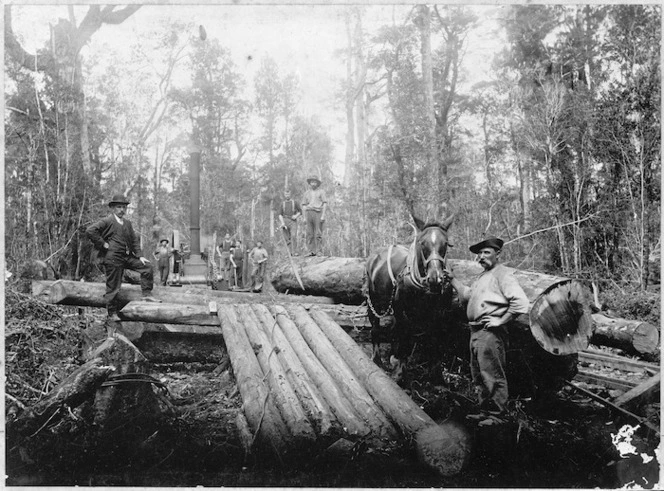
x=301, y=38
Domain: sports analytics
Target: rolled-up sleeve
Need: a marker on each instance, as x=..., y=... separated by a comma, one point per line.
x=518, y=301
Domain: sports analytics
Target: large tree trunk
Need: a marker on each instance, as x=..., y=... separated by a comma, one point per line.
x=337, y=277
x=446, y=448
x=342, y=277
x=633, y=337
x=65, y=292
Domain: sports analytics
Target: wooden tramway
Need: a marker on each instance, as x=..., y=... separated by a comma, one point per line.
x=304, y=382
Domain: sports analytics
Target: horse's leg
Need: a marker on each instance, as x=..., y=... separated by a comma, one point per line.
x=401, y=348
x=375, y=338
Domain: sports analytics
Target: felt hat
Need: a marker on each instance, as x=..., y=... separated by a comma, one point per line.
x=494, y=242
x=313, y=178
x=163, y=240
x=118, y=199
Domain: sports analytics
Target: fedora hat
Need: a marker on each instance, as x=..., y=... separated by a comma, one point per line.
x=493, y=242
x=313, y=178
x=163, y=240
x=118, y=199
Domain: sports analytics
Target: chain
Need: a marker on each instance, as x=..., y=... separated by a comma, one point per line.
x=390, y=309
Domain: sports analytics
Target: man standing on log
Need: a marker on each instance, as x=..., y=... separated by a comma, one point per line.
x=493, y=300
x=314, y=204
x=289, y=212
x=119, y=249
x=258, y=257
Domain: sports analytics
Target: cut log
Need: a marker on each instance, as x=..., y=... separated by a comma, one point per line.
x=337, y=277
x=633, y=337
x=641, y=394
x=342, y=374
x=446, y=448
x=285, y=398
x=341, y=277
x=266, y=424
x=550, y=294
x=169, y=313
x=352, y=421
x=309, y=395
x=72, y=391
x=115, y=405
x=84, y=294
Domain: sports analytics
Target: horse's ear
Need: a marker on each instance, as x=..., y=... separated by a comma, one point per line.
x=418, y=223
x=447, y=222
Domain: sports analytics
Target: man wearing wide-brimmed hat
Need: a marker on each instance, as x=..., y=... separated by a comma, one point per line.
x=119, y=249
x=494, y=299
x=314, y=204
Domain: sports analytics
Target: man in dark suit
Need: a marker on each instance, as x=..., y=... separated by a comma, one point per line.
x=119, y=249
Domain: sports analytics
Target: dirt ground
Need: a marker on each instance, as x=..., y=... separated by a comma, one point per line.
x=563, y=441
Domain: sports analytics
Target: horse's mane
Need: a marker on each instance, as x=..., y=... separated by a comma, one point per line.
x=432, y=224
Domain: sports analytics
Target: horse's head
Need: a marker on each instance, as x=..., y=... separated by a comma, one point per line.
x=430, y=250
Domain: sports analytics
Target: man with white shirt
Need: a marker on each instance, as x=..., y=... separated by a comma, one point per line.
x=119, y=249
x=493, y=300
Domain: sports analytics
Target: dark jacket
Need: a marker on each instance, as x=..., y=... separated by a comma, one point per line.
x=121, y=239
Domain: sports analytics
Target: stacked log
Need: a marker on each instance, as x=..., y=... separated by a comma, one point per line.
x=340, y=393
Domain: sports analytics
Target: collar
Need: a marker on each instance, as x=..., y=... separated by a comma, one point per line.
x=118, y=219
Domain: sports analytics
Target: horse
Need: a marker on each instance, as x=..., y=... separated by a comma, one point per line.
x=407, y=286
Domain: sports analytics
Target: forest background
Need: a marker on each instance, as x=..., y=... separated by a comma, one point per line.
x=536, y=123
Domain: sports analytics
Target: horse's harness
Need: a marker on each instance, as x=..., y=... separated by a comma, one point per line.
x=409, y=273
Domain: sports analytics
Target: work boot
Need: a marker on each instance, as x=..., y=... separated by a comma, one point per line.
x=150, y=298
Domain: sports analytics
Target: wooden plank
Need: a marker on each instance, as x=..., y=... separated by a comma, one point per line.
x=641, y=393
x=618, y=362
x=611, y=383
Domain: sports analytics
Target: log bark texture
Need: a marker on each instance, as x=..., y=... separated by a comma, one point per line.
x=267, y=426
x=446, y=448
x=286, y=400
x=310, y=396
x=337, y=277
x=169, y=313
x=352, y=421
x=341, y=278
x=91, y=294
x=342, y=374
x=633, y=337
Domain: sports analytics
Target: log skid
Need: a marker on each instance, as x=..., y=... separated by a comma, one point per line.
x=264, y=419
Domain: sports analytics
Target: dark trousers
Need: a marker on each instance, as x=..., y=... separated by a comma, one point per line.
x=314, y=231
x=487, y=366
x=115, y=269
x=238, y=273
x=225, y=265
x=290, y=234
x=164, y=270
x=257, y=274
